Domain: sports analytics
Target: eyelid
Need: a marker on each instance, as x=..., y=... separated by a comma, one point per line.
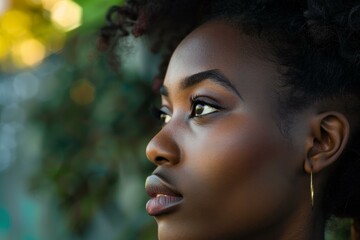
x=205, y=100
x=164, y=110
x=197, y=100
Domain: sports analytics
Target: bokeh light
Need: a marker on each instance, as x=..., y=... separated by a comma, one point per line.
x=4, y=47
x=83, y=92
x=66, y=14
x=66, y=124
x=31, y=30
x=15, y=23
x=30, y=52
x=48, y=4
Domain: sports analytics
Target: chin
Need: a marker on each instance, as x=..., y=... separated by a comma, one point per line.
x=167, y=231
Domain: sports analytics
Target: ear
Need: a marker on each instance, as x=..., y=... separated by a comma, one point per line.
x=326, y=141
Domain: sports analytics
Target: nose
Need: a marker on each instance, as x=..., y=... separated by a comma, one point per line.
x=163, y=149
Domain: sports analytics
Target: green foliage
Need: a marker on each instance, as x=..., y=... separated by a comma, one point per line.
x=338, y=229
x=94, y=13
x=95, y=128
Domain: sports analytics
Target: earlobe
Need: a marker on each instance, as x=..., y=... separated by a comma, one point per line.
x=326, y=141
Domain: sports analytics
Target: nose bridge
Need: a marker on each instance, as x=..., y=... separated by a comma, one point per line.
x=163, y=147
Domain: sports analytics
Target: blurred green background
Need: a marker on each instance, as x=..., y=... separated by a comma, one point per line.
x=73, y=130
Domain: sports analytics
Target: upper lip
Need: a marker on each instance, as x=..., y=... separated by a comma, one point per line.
x=155, y=185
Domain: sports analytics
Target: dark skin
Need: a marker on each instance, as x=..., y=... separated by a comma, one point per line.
x=239, y=176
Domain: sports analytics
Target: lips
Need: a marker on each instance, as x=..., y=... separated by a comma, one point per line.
x=163, y=197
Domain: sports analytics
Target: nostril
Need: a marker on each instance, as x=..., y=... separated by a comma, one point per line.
x=163, y=149
x=160, y=160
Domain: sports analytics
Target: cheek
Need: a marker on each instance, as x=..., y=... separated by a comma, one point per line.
x=233, y=167
x=235, y=147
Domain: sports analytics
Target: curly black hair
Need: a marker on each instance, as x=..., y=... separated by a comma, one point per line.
x=317, y=42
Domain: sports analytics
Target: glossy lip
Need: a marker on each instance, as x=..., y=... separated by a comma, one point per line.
x=164, y=197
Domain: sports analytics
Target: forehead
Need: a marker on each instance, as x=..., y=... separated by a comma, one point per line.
x=219, y=45
x=220, y=37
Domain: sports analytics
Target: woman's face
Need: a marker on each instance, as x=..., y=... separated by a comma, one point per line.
x=224, y=170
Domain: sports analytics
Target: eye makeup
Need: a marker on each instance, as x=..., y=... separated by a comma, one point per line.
x=202, y=106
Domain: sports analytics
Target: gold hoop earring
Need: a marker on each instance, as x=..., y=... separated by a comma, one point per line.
x=312, y=188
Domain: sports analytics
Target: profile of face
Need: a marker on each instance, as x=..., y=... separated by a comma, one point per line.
x=224, y=168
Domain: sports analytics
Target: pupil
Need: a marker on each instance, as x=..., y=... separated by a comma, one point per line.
x=199, y=109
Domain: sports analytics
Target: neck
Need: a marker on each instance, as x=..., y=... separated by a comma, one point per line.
x=305, y=223
x=312, y=228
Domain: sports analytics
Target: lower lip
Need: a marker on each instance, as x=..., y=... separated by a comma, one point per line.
x=162, y=204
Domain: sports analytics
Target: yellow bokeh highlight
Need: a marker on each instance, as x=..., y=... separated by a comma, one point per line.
x=15, y=23
x=66, y=14
x=28, y=53
x=32, y=52
x=30, y=30
x=4, y=47
x=83, y=92
x=49, y=4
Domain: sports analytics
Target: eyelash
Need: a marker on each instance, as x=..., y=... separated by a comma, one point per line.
x=161, y=115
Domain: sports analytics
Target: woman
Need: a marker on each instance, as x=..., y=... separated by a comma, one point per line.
x=260, y=112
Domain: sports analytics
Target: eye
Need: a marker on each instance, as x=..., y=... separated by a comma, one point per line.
x=165, y=118
x=160, y=114
x=200, y=108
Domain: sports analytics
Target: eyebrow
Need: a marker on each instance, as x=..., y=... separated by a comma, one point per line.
x=213, y=75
